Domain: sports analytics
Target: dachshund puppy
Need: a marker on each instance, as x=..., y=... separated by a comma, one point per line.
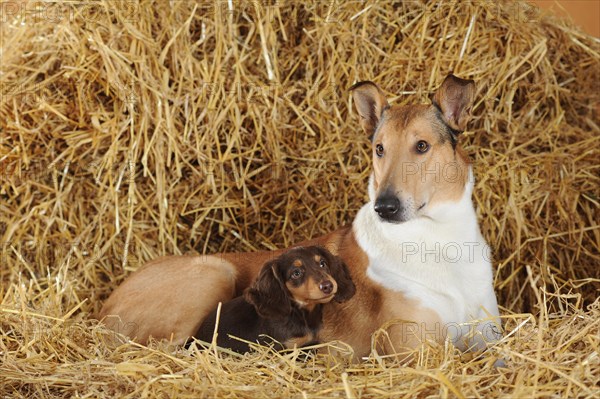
x=283, y=307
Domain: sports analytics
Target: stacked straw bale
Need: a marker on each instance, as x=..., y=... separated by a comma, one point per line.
x=131, y=130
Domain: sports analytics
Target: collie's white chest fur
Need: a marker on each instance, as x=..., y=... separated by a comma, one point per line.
x=441, y=260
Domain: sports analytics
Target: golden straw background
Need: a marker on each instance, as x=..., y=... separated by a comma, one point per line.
x=131, y=130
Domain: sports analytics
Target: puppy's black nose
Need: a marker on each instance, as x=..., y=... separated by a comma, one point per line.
x=387, y=206
x=326, y=286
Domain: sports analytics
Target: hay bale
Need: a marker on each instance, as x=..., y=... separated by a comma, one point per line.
x=132, y=130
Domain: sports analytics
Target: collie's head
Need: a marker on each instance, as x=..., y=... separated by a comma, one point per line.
x=417, y=160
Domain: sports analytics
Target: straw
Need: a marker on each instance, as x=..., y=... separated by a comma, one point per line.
x=133, y=130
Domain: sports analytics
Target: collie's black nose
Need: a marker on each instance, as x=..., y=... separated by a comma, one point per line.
x=326, y=287
x=387, y=206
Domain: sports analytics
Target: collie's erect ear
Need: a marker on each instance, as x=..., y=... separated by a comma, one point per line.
x=370, y=104
x=341, y=274
x=268, y=293
x=454, y=99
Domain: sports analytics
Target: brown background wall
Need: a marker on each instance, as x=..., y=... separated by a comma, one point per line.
x=585, y=13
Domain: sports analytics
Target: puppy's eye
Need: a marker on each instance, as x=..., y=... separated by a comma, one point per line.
x=422, y=146
x=296, y=274
x=323, y=263
x=379, y=150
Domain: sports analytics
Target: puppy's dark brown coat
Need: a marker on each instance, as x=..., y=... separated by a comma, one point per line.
x=284, y=305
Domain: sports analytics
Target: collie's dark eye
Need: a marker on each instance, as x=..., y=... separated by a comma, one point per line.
x=379, y=150
x=323, y=263
x=422, y=146
x=296, y=274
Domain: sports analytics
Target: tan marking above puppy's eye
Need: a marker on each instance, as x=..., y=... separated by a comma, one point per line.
x=297, y=263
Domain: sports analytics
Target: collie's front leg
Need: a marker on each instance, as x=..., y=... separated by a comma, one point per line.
x=482, y=332
x=489, y=328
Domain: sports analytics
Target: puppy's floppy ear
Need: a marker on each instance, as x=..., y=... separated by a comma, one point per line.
x=454, y=99
x=268, y=293
x=370, y=104
x=341, y=274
